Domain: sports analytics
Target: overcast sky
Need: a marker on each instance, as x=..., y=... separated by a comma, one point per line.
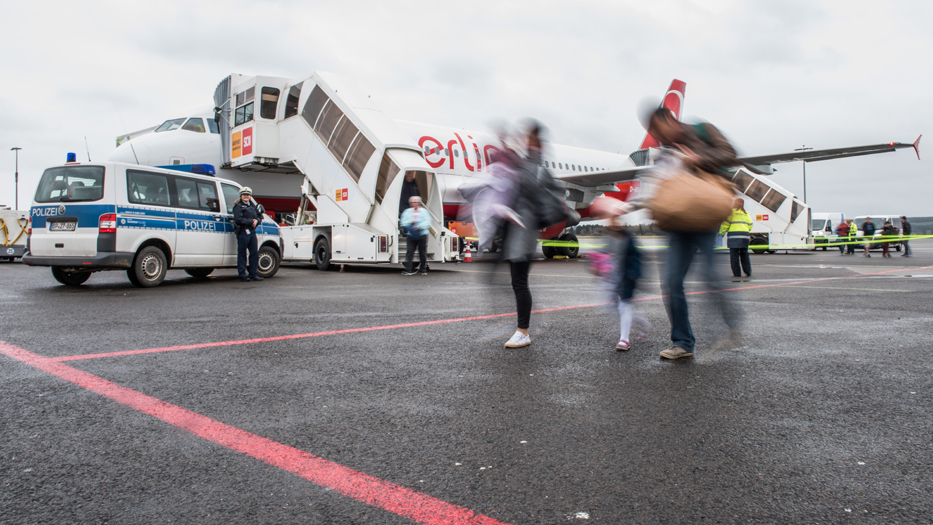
x=773, y=75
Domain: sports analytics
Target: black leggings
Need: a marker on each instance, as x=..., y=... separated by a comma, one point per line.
x=522, y=293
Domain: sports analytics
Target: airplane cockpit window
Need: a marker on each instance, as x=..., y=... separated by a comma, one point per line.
x=269, y=102
x=170, y=125
x=194, y=124
x=212, y=126
x=291, y=101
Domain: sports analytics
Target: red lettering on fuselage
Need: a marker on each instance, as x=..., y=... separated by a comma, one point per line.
x=482, y=156
x=432, y=163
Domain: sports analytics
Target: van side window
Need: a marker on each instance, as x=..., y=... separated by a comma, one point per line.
x=207, y=196
x=147, y=188
x=231, y=195
x=187, y=193
x=269, y=100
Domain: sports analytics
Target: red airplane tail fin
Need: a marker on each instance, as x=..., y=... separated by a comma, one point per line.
x=674, y=101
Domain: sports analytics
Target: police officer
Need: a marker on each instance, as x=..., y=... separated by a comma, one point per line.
x=245, y=219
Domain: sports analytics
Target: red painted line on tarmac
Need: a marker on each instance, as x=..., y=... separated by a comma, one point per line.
x=441, y=321
x=399, y=500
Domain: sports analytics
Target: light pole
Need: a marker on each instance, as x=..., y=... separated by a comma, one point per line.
x=804, y=148
x=16, y=177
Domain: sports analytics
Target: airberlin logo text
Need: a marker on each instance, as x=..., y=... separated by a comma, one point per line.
x=436, y=153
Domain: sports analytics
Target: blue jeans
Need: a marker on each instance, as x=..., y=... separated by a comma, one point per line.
x=683, y=246
x=907, y=250
x=243, y=241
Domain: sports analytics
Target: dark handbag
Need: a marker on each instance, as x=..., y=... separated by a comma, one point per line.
x=550, y=207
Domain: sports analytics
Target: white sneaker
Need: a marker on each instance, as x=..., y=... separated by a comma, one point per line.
x=518, y=340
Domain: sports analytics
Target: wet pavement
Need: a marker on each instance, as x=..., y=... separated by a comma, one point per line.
x=822, y=414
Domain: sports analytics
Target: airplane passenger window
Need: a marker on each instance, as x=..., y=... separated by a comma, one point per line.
x=313, y=106
x=194, y=124
x=456, y=153
x=291, y=102
x=561, y=164
x=269, y=102
x=170, y=125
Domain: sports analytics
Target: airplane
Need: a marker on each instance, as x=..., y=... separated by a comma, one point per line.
x=457, y=155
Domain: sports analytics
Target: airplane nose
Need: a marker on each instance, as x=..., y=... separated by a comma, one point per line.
x=131, y=152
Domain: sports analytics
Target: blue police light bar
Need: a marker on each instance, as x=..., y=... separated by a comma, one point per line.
x=72, y=158
x=199, y=169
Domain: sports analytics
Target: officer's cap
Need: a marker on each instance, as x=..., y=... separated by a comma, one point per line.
x=245, y=190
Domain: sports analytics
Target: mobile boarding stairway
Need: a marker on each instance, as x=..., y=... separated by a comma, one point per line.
x=780, y=221
x=354, y=159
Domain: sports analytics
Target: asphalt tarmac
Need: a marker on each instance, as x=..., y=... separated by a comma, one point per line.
x=372, y=414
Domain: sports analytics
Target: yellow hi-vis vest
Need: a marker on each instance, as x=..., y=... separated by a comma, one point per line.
x=738, y=224
x=853, y=229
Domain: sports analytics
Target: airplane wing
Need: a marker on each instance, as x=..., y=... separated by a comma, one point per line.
x=814, y=155
x=602, y=178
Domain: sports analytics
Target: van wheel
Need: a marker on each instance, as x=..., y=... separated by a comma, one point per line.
x=322, y=254
x=70, y=278
x=149, y=268
x=199, y=273
x=268, y=262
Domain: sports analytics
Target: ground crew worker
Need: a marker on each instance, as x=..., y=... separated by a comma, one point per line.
x=246, y=219
x=853, y=236
x=905, y=231
x=868, y=234
x=738, y=224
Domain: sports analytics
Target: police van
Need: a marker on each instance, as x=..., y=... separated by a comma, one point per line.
x=113, y=216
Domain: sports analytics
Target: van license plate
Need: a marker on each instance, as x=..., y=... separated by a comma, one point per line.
x=63, y=226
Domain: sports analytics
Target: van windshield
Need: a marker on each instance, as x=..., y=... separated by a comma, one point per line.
x=817, y=224
x=71, y=183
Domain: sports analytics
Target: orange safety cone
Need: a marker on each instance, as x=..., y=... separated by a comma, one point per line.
x=466, y=255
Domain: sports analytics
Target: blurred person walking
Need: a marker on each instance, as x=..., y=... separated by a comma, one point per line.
x=905, y=232
x=868, y=234
x=535, y=201
x=416, y=221
x=887, y=233
x=621, y=266
x=842, y=234
x=853, y=237
x=738, y=225
x=691, y=152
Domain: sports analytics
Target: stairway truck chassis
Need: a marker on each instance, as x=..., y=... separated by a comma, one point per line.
x=353, y=158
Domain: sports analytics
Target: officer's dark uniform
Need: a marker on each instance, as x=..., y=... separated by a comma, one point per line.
x=243, y=216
